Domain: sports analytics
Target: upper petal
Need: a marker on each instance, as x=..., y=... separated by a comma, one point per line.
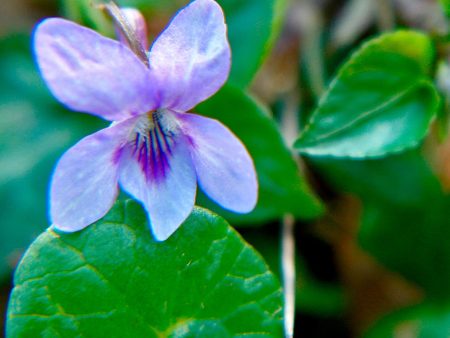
x=162, y=178
x=84, y=183
x=191, y=59
x=91, y=73
x=224, y=168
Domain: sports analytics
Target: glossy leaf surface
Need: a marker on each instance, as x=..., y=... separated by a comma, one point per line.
x=114, y=280
x=382, y=101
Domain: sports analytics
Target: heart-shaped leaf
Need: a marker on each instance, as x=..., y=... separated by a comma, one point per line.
x=382, y=101
x=281, y=188
x=113, y=280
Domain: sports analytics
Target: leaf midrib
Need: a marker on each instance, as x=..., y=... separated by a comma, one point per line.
x=364, y=116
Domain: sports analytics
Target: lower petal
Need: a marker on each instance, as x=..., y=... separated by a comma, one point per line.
x=168, y=194
x=84, y=183
x=224, y=168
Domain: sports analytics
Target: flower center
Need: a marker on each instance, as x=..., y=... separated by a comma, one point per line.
x=153, y=141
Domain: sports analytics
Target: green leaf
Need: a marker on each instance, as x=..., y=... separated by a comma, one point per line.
x=87, y=13
x=281, y=188
x=253, y=26
x=405, y=222
x=381, y=102
x=445, y=6
x=403, y=179
x=114, y=280
x=34, y=131
x=422, y=321
x=413, y=241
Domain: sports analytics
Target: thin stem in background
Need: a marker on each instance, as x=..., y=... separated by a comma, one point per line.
x=288, y=266
x=289, y=126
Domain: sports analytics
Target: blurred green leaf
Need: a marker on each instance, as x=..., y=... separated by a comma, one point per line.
x=281, y=188
x=413, y=241
x=87, y=13
x=34, y=131
x=113, y=280
x=421, y=321
x=403, y=179
x=405, y=223
x=382, y=101
x=253, y=26
x=445, y=6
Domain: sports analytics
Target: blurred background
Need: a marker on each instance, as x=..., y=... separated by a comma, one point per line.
x=376, y=264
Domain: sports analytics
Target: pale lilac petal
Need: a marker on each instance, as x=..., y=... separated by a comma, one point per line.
x=190, y=60
x=166, y=190
x=90, y=73
x=137, y=23
x=224, y=168
x=84, y=184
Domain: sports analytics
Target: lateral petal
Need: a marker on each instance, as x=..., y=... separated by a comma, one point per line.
x=91, y=73
x=84, y=183
x=224, y=168
x=190, y=60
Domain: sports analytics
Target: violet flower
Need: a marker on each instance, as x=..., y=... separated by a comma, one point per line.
x=153, y=149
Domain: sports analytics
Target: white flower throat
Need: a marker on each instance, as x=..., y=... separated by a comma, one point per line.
x=152, y=142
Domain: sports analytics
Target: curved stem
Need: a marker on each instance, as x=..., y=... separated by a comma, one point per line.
x=127, y=31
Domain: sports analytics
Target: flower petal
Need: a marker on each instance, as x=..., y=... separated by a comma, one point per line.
x=191, y=59
x=137, y=22
x=90, y=73
x=224, y=168
x=168, y=197
x=84, y=183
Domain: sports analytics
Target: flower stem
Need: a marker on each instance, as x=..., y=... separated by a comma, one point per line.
x=125, y=28
x=290, y=127
x=288, y=267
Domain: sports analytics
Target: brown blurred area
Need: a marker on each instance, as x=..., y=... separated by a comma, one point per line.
x=21, y=15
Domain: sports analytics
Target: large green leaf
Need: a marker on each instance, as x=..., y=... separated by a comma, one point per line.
x=281, y=188
x=382, y=101
x=34, y=131
x=422, y=321
x=114, y=280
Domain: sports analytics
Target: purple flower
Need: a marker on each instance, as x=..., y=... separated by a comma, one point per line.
x=154, y=149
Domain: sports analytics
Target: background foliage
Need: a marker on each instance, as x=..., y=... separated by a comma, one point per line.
x=359, y=88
